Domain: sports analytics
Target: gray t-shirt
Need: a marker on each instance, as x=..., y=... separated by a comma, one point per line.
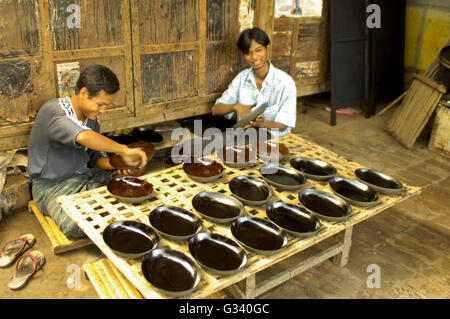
x=53, y=152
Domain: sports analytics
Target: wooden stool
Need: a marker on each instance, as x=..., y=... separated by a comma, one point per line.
x=60, y=243
x=109, y=282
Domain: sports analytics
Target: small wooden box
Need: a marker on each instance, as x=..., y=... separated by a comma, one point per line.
x=440, y=134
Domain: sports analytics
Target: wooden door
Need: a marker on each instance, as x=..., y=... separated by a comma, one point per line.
x=184, y=55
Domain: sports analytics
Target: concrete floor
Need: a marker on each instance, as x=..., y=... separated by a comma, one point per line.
x=409, y=242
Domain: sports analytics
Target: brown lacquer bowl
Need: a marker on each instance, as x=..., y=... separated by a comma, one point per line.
x=237, y=156
x=171, y=272
x=118, y=163
x=130, y=239
x=271, y=151
x=171, y=161
x=130, y=189
x=203, y=170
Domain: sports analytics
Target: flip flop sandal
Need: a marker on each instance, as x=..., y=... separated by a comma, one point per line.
x=14, y=248
x=26, y=267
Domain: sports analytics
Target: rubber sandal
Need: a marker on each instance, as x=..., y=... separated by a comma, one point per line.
x=14, y=248
x=26, y=267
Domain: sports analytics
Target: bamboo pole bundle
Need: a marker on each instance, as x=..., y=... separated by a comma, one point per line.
x=417, y=106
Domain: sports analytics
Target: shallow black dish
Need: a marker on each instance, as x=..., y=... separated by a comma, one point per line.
x=325, y=205
x=250, y=190
x=217, y=254
x=147, y=135
x=174, y=222
x=122, y=138
x=282, y=177
x=294, y=219
x=217, y=207
x=130, y=239
x=354, y=192
x=258, y=235
x=313, y=168
x=171, y=271
x=379, y=182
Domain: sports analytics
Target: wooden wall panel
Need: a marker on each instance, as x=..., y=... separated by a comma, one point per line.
x=219, y=71
x=19, y=28
x=169, y=76
x=168, y=21
x=101, y=24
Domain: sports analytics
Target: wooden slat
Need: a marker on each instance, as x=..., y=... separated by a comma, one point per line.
x=59, y=242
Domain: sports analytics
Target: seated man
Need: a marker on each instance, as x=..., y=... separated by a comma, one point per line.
x=65, y=147
x=260, y=84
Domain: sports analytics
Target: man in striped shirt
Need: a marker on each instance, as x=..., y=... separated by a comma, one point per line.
x=66, y=149
x=262, y=83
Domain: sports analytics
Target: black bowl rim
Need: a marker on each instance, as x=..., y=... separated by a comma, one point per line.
x=350, y=181
x=312, y=215
x=181, y=254
x=234, y=199
x=220, y=237
x=349, y=209
x=251, y=177
x=132, y=222
x=269, y=223
x=314, y=160
x=187, y=212
x=381, y=175
x=142, y=128
x=297, y=172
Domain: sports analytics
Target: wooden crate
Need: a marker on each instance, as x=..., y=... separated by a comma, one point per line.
x=60, y=243
x=440, y=135
x=95, y=209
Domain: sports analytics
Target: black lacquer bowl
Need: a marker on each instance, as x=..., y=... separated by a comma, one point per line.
x=313, y=168
x=171, y=271
x=130, y=239
x=379, y=182
x=325, y=205
x=258, y=235
x=282, y=177
x=293, y=219
x=122, y=138
x=218, y=207
x=354, y=192
x=130, y=189
x=217, y=254
x=147, y=135
x=174, y=222
x=250, y=190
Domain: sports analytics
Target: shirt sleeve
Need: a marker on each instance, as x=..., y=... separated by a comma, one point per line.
x=63, y=129
x=287, y=113
x=231, y=95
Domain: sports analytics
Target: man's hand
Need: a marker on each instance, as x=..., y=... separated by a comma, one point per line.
x=134, y=156
x=242, y=110
x=256, y=123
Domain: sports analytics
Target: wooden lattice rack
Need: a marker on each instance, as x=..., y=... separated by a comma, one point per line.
x=95, y=209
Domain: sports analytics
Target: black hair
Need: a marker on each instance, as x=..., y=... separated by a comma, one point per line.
x=246, y=37
x=97, y=78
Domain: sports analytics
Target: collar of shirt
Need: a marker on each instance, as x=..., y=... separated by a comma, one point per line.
x=267, y=80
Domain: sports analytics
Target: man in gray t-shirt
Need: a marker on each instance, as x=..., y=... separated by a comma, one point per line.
x=66, y=150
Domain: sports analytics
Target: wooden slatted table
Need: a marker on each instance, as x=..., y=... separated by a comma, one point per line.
x=95, y=209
